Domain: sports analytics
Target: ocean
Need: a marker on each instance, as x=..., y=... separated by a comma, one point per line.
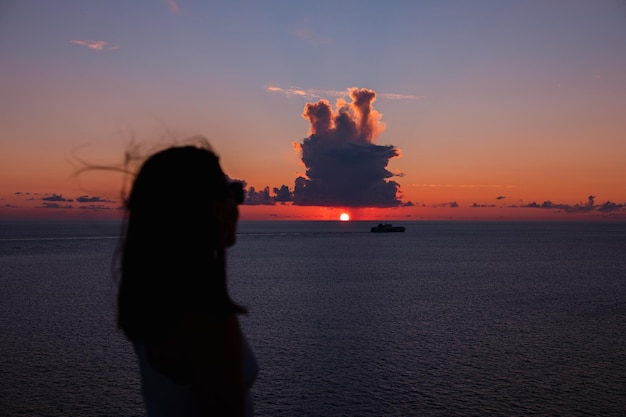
x=448, y=318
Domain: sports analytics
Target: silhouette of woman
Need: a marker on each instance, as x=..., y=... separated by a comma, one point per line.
x=173, y=302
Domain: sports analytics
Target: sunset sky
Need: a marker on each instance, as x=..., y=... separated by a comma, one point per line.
x=503, y=109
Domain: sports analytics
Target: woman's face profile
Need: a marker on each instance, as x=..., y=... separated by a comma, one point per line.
x=228, y=212
x=228, y=215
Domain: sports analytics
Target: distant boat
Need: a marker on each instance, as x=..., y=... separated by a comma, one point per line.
x=386, y=228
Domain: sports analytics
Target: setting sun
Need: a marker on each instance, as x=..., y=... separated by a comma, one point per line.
x=344, y=217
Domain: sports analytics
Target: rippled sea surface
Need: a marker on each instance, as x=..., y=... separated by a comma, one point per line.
x=445, y=319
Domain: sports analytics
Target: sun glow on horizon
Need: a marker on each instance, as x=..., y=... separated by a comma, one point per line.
x=344, y=217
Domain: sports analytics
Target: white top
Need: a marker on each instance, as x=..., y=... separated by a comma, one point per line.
x=164, y=397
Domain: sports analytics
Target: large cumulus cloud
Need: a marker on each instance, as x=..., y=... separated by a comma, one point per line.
x=344, y=165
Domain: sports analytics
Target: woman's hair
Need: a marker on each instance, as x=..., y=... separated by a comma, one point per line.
x=173, y=255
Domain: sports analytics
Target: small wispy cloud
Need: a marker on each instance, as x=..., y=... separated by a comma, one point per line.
x=173, y=6
x=311, y=37
x=309, y=93
x=56, y=197
x=590, y=205
x=391, y=96
x=312, y=93
x=93, y=199
x=96, y=45
x=450, y=204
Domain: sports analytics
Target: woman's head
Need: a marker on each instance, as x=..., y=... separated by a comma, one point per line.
x=181, y=216
x=185, y=190
x=178, y=184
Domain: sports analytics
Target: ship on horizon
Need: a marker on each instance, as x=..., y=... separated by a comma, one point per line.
x=386, y=228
